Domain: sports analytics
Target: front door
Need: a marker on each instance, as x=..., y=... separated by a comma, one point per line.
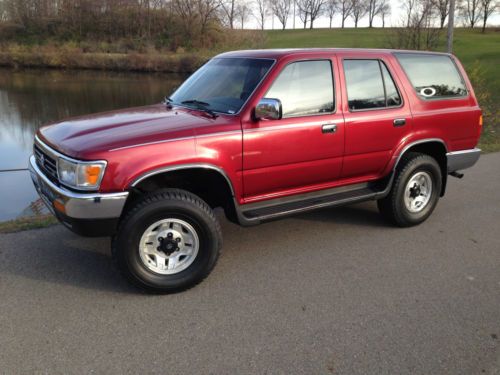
x=303, y=150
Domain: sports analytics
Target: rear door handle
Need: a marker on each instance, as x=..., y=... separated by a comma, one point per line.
x=329, y=128
x=399, y=122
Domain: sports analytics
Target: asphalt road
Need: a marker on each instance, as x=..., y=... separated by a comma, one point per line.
x=331, y=292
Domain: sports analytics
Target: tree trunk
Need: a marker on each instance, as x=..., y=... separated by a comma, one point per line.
x=343, y=21
x=331, y=18
x=311, y=25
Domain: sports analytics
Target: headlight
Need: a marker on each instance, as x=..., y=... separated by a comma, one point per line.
x=80, y=175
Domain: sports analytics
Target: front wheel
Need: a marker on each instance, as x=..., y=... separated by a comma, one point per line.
x=168, y=241
x=415, y=191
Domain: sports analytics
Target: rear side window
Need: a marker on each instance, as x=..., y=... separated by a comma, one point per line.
x=304, y=88
x=432, y=76
x=369, y=85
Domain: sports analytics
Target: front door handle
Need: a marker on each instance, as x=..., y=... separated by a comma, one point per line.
x=399, y=122
x=329, y=128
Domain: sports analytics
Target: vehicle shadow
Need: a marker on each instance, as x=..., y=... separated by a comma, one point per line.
x=362, y=214
x=55, y=255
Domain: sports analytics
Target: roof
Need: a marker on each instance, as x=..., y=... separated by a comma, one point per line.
x=280, y=53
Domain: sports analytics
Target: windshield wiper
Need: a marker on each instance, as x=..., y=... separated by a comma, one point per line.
x=201, y=105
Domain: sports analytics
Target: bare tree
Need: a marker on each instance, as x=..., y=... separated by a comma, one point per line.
x=443, y=7
x=471, y=11
x=488, y=7
x=345, y=9
x=385, y=11
x=303, y=6
x=419, y=32
x=243, y=11
x=372, y=9
x=229, y=10
x=281, y=9
x=207, y=12
x=262, y=12
x=316, y=7
x=359, y=9
x=330, y=10
x=408, y=7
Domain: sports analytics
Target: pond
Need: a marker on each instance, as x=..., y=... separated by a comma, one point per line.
x=32, y=98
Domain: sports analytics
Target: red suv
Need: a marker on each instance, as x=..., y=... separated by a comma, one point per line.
x=262, y=134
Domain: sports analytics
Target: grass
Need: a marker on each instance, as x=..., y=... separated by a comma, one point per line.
x=69, y=57
x=34, y=222
x=473, y=48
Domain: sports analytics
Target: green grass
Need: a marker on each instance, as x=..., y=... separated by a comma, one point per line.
x=27, y=223
x=473, y=48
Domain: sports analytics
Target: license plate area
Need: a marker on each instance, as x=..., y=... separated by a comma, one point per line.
x=44, y=191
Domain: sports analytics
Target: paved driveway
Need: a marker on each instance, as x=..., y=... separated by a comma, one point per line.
x=335, y=291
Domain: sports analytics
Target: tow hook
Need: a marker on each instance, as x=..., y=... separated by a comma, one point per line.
x=456, y=174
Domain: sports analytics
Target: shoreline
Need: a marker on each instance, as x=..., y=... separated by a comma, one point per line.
x=99, y=61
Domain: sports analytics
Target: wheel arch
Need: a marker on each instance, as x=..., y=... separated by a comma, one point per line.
x=209, y=182
x=434, y=147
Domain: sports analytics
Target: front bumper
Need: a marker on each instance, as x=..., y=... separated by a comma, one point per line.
x=459, y=160
x=90, y=214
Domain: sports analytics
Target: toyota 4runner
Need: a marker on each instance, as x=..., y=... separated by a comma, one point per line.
x=261, y=134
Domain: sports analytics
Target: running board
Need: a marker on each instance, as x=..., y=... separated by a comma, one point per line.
x=255, y=213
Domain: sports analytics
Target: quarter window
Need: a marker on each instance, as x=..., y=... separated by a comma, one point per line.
x=304, y=88
x=432, y=76
x=370, y=85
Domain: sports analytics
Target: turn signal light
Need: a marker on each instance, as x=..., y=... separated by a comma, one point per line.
x=92, y=174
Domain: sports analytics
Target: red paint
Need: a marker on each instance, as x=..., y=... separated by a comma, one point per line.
x=269, y=159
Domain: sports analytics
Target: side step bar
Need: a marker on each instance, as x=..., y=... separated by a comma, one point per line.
x=255, y=213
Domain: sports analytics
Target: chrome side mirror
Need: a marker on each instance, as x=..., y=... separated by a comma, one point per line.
x=268, y=109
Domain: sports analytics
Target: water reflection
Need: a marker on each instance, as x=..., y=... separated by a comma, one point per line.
x=31, y=98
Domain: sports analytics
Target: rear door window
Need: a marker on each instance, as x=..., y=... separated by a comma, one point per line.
x=432, y=76
x=369, y=85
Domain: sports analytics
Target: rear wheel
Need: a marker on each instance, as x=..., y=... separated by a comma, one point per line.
x=169, y=241
x=415, y=191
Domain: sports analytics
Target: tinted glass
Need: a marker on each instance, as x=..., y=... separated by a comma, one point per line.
x=223, y=83
x=433, y=76
x=391, y=92
x=365, y=88
x=304, y=88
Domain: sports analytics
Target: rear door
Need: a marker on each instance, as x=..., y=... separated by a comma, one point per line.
x=304, y=149
x=377, y=115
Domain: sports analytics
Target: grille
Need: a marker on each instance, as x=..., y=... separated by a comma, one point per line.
x=46, y=163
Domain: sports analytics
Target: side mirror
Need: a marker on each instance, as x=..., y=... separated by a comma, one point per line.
x=268, y=109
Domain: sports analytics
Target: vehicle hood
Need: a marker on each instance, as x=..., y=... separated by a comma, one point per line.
x=83, y=136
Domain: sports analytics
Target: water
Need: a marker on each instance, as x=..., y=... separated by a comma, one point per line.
x=31, y=98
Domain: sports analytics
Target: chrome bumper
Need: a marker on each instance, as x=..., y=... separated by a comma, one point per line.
x=459, y=160
x=76, y=205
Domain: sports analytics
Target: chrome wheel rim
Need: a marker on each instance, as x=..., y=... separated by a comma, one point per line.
x=169, y=246
x=418, y=192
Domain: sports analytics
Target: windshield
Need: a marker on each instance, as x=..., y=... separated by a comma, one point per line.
x=223, y=84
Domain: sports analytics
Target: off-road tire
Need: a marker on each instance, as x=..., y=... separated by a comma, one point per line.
x=167, y=203
x=393, y=207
